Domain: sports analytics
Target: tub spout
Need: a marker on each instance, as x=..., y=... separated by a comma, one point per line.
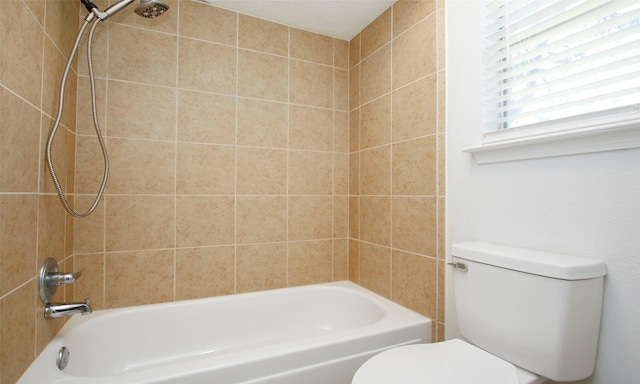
x=56, y=310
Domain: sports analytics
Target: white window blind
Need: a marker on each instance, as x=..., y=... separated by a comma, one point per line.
x=560, y=61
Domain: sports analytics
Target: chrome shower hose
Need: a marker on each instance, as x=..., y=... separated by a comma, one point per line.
x=54, y=176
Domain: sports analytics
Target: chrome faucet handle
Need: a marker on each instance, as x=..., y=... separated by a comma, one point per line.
x=49, y=279
x=61, y=278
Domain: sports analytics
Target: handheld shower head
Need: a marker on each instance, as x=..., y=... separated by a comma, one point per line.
x=151, y=8
x=147, y=8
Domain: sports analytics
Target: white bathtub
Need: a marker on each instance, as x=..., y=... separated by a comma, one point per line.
x=303, y=335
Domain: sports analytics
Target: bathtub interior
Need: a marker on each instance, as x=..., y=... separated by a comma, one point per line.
x=154, y=336
x=237, y=338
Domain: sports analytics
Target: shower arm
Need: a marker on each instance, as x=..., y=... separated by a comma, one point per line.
x=107, y=13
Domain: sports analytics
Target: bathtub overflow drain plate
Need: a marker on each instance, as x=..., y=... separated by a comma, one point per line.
x=63, y=358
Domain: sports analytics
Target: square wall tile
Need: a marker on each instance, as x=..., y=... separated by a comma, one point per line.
x=376, y=34
x=262, y=76
x=415, y=53
x=51, y=80
x=354, y=87
x=21, y=50
x=414, y=167
x=262, y=123
x=340, y=259
x=309, y=46
x=205, y=169
x=354, y=261
x=18, y=237
x=88, y=232
x=51, y=228
x=375, y=268
x=375, y=219
x=20, y=144
x=205, y=22
x=375, y=75
x=341, y=131
x=341, y=89
x=375, y=171
x=215, y=71
x=91, y=285
x=310, y=217
x=205, y=272
x=341, y=53
x=206, y=118
x=205, y=220
x=375, y=123
x=142, y=56
x=354, y=174
x=406, y=13
x=141, y=166
x=340, y=217
x=415, y=109
x=414, y=225
x=261, y=266
x=354, y=217
x=135, y=278
x=311, y=84
x=261, y=171
x=310, y=128
x=17, y=322
x=310, y=262
x=139, y=222
x=414, y=282
x=354, y=130
x=141, y=111
x=354, y=51
x=310, y=173
x=340, y=174
x=261, y=219
x=262, y=35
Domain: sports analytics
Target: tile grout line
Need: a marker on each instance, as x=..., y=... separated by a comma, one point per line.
x=235, y=173
x=175, y=161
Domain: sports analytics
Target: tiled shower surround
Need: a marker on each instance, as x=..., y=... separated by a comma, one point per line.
x=396, y=157
x=244, y=155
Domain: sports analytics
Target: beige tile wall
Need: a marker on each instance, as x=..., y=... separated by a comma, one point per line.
x=35, y=39
x=396, y=177
x=228, y=145
x=245, y=155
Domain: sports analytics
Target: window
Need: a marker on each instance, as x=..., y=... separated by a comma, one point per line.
x=552, y=67
x=551, y=60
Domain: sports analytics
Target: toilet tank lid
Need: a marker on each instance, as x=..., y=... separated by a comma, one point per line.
x=548, y=264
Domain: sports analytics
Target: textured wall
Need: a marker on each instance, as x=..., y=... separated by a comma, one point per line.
x=585, y=205
x=397, y=134
x=35, y=39
x=228, y=143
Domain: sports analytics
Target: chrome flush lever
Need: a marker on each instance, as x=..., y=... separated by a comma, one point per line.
x=460, y=266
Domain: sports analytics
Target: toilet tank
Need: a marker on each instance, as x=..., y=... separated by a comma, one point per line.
x=540, y=311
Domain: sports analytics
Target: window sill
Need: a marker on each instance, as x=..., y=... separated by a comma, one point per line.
x=558, y=144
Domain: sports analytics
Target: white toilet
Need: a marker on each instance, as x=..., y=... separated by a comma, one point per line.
x=525, y=317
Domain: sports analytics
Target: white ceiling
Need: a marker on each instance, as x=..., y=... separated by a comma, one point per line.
x=342, y=19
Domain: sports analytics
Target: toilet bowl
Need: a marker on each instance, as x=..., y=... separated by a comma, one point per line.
x=449, y=362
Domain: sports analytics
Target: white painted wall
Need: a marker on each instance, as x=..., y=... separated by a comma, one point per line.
x=586, y=205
